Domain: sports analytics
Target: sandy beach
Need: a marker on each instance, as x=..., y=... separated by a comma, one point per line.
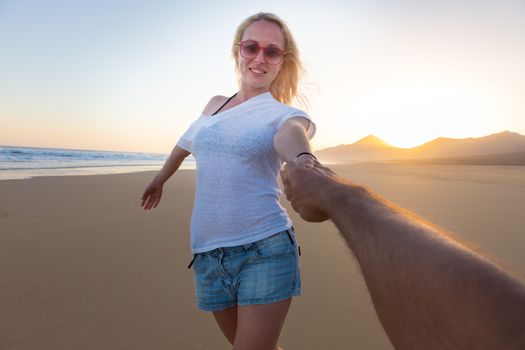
x=82, y=266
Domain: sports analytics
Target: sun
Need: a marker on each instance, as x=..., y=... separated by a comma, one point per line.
x=409, y=113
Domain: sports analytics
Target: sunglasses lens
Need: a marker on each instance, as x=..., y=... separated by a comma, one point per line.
x=273, y=55
x=249, y=49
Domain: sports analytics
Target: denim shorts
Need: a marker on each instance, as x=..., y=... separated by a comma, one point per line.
x=262, y=272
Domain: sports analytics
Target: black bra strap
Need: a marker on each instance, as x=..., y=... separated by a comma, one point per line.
x=224, y=104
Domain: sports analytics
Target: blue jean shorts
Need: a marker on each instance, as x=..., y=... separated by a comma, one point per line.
x=262, y=272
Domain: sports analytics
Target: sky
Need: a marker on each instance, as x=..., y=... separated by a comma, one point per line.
x=133, y=75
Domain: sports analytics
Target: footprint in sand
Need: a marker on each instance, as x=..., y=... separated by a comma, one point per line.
x=3, y=214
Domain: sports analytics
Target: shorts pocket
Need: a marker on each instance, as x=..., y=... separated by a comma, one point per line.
x=279, y=244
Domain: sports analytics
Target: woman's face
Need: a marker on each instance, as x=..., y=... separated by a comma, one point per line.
x=257, y=73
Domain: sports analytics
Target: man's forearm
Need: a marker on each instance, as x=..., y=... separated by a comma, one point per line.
x=429, y=291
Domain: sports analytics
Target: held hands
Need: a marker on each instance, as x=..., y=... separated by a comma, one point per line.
x=152, y=195
x=305, y=186
x=306, y=160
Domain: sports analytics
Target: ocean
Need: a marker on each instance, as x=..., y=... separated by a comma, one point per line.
x=28, y=162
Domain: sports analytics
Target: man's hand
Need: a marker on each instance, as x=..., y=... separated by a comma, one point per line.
x=305, y=188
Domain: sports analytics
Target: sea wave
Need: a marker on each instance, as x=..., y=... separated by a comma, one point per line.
x=27, y=162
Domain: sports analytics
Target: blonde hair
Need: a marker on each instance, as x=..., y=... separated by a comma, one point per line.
x=285, y=87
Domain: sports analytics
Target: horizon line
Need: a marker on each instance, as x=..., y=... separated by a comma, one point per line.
x=321, y=149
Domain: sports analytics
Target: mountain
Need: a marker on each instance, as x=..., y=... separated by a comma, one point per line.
x=372, y=141
x=503, y=142
x=368, y=148
x=371, y=148
x=513, y=158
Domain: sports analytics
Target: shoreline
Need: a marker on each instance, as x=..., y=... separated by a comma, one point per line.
x=118, y=170
x=86, y=171
x=27, y=162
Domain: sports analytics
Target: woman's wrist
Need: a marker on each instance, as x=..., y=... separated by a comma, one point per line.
x=305, y=159
x=160, y=179
x=305, y=154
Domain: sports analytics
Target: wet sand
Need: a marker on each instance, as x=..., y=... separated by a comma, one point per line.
x=84, y=267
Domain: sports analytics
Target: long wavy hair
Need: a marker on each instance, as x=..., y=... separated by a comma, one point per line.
x=285, y=87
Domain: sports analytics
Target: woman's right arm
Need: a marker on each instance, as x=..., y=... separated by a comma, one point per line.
x=153, y=192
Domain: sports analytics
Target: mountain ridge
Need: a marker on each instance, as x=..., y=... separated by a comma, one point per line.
x=372, y=148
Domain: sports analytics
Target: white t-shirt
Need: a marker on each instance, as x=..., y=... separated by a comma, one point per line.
x=237, y=193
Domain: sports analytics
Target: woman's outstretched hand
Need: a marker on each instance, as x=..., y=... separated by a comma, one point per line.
x=152, y=195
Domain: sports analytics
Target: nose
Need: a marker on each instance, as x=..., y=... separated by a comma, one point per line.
x=260, y=56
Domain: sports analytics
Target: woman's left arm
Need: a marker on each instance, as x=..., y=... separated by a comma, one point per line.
x=291, y=140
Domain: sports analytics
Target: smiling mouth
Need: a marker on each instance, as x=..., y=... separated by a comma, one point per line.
x=257, y=71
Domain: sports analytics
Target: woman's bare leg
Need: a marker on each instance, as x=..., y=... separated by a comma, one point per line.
x=259, y=326
x=227, y=321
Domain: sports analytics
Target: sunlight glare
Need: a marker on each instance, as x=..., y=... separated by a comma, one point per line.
x=407, y=114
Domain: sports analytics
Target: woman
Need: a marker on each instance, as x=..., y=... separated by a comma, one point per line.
x=245, y=254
